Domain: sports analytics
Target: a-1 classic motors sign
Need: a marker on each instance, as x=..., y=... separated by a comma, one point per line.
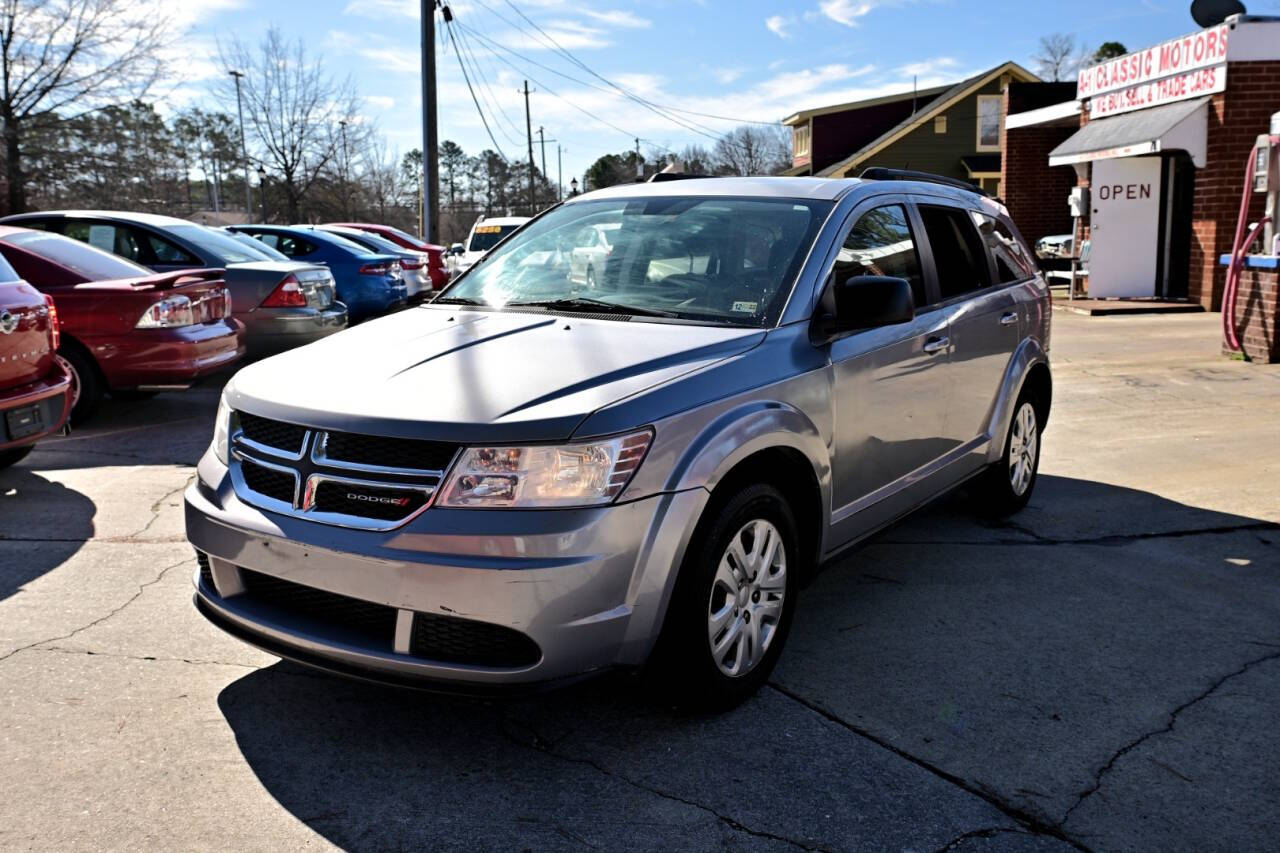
x=1181, y=68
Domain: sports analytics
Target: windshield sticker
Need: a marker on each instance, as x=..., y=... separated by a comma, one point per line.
x=745, y=307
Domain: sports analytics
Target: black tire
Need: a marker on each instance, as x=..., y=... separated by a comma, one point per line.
x=999, y=491
x=684, y=667
x=87, y=384
x=14, y=456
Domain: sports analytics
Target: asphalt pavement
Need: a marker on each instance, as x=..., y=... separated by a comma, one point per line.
x=1101, y=672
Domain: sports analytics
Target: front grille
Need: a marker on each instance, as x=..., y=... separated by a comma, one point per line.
x=387, y=504
x=206, y=573
x=386, y=452
x=448, y=639
x=274, y=484
x=281, y=436
x=375, y=623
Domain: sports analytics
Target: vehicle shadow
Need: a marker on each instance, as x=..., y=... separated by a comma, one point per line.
x=42, y=524
x=918, y=638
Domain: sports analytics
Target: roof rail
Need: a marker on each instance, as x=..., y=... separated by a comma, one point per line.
x=879, y=173
x=661, y=177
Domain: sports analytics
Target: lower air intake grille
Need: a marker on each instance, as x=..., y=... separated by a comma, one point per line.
x=206, y=573
x=376, y=623
x=451, y=640
x=268, y=481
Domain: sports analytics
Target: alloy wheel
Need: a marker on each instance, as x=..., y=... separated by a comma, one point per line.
x=1024, y=444
x=747, y=594
x=75, y=379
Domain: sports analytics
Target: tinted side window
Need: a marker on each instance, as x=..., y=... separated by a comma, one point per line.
x=164, y=252
x=7, y=272
x=1012, y=261
x=880, y=243
x=117, y=239
x=958, y=253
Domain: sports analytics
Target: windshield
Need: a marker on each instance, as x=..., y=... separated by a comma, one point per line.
x=714, y=259
x=219, y=243
x=487, y=236
x=82, y=259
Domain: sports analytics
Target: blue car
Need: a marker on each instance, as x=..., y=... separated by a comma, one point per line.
x=370, y=283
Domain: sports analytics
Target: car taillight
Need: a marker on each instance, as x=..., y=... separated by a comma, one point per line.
x=167, y=313
x=413, y=265
x=288, y=294
x=380, y=268
x=55, y=327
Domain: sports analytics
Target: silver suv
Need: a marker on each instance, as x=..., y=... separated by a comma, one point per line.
x=533, y=479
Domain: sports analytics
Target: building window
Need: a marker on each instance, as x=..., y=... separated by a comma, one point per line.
x=801, y=141
x=939, y=124
x=989, y=122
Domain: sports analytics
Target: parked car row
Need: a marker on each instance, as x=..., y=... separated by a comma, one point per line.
x=135, y=303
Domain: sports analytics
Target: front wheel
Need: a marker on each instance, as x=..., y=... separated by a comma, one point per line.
x=1006, y=486
x=733, y=603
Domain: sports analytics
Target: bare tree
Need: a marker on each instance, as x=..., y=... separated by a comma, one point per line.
x=1060, y=57
x=295, y=112
x=79, y=55
x=752, y=150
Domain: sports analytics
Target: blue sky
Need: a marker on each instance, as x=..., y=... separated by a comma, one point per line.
x=745, y=59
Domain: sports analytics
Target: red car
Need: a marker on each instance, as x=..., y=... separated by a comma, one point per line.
x=125, y=329
x=35, y=387
x=439, y=276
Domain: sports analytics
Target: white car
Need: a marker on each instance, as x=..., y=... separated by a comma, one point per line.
x=484, y=235
x=591, y=249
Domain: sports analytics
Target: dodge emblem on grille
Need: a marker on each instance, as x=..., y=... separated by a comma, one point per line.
x=377, y=499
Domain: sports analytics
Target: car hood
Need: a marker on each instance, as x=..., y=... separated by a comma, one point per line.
x=468, y=376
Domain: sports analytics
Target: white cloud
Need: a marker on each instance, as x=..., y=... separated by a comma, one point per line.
x=726, y=75
x=382, y=102
x=779, y=26
x=382, y=8
x=846, y=12
x=927, y=67
x=569, y=35
x=619, y=18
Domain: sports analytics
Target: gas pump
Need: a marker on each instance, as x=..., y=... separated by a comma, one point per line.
x=1262, y=176
x=1266, y=179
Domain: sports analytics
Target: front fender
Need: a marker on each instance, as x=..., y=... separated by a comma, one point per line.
x=1028, y=355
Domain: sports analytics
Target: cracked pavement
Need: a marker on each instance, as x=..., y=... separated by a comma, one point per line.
x=1101, y=672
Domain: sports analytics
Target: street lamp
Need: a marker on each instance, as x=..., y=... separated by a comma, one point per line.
x=573, y=187
x=346, y=179
x=244, y=148
x=262, y=191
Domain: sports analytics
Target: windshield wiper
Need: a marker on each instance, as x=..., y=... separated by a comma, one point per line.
x=455, y=300
x=586, y=304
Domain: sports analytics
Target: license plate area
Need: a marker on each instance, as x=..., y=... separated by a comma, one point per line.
x=24, y=421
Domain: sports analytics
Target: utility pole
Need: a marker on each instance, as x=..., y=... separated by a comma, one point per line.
x=528, y=128
x=430, y=154
x=346, y=177
x=559, y=176
x=639, y=162
x=542, y=143
x=244, y=150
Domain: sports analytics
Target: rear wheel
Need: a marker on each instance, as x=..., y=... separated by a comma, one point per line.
x=87, y=386
x=1006, y=486
x=733, y=603
x=14, y=456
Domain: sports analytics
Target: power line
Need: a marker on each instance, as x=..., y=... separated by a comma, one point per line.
x=474, y=99
x=491, y=99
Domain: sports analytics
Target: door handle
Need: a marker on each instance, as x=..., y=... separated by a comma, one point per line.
x=934, y=346
x=1009, y=318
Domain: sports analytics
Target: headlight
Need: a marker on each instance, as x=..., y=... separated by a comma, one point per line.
x=586, y=474
x=221, y=431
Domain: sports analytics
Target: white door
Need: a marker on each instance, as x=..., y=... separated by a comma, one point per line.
x=1125, y=227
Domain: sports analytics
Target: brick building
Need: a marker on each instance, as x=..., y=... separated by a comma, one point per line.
x=1159, y=139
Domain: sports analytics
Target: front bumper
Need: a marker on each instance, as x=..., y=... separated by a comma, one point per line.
x=273, y=330
x=588, y=587
x=52, y=394
x=167, y=357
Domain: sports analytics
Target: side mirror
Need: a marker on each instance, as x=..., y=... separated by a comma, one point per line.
x=863, y=302
x=456, y=249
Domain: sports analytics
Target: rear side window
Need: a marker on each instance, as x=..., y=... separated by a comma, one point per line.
x=164, y=252
x=88, y=263
x=880, y=243
x=958, y=253
x=6, y=272
x=1012, y=261
x=117, y=239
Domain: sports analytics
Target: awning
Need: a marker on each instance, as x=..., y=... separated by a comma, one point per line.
x=1183, y=126
x=981, y=164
